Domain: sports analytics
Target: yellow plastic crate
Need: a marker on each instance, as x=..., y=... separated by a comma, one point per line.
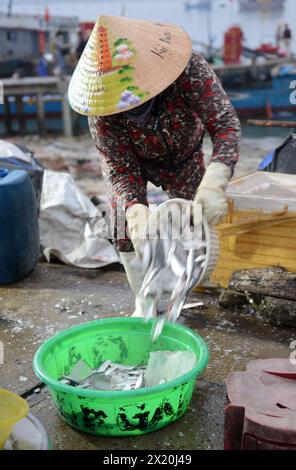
x=261, y=227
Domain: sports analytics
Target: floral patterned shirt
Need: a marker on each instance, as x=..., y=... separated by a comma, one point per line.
x=167, y=149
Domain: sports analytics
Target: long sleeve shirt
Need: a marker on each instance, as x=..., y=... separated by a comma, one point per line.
x=166, y=150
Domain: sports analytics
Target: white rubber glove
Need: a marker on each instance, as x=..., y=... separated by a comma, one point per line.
x=211, y=192
x=135, y=277
x=137, y=217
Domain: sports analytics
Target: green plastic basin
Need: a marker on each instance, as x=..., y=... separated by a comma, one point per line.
x=127, y=341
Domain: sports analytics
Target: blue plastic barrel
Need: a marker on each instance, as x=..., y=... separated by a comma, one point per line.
x=19, y=231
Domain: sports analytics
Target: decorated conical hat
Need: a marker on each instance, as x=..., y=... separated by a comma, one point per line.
x=125, y=63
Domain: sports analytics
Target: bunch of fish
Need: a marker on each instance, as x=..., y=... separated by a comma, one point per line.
x=172, y=264
x=109, y=376
x=162, y=367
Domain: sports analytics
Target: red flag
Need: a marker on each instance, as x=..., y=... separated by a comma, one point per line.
x=46, y=15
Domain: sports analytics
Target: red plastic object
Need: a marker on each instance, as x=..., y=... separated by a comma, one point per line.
x=86, y=25
x=261, y=414
x=233, y=45
x=267, y=49
x=42, y=42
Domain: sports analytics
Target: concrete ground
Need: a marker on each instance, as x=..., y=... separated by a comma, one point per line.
x=55, y=297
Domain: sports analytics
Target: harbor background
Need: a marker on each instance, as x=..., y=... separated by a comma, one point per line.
x=258, y=27
x=55, y=296
x=203, y=27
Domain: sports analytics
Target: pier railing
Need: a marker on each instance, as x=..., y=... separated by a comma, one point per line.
x=37, y=87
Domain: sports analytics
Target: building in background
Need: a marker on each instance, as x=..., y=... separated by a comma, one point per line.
x=24, y=38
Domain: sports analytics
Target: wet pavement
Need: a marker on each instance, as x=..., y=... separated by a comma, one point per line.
x=55, y=297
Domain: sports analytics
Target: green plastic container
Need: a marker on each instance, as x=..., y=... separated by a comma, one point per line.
x=127, y=341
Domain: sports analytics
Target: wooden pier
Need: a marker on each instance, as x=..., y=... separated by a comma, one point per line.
x=36, y=87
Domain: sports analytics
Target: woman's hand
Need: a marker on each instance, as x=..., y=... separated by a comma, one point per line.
x=211, y=192
x=137, y=217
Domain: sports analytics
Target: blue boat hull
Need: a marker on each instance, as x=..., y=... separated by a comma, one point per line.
x=53, y=114
x=276, y=97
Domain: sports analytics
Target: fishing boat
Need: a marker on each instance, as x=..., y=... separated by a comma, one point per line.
x=200, y=5
x=265, y=97
x=261, y=5
x=254, y=90
x=249, y=96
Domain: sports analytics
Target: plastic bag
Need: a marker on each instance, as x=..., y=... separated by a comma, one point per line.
x=283, y=159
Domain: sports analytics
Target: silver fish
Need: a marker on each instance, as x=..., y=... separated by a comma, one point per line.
x=139, y=382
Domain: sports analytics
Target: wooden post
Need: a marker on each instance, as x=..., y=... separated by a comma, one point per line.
x=7, y=115
x=284, y=124
x=41, y=114
x=67, y=117
x=66, y=110
x=20, y=114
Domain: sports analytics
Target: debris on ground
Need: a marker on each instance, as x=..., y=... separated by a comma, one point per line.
x=193, y=305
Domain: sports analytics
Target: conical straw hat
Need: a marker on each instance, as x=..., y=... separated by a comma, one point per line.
x=125, y=63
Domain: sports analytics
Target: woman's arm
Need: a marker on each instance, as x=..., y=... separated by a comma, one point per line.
x=120, y=167
x=200, y=86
